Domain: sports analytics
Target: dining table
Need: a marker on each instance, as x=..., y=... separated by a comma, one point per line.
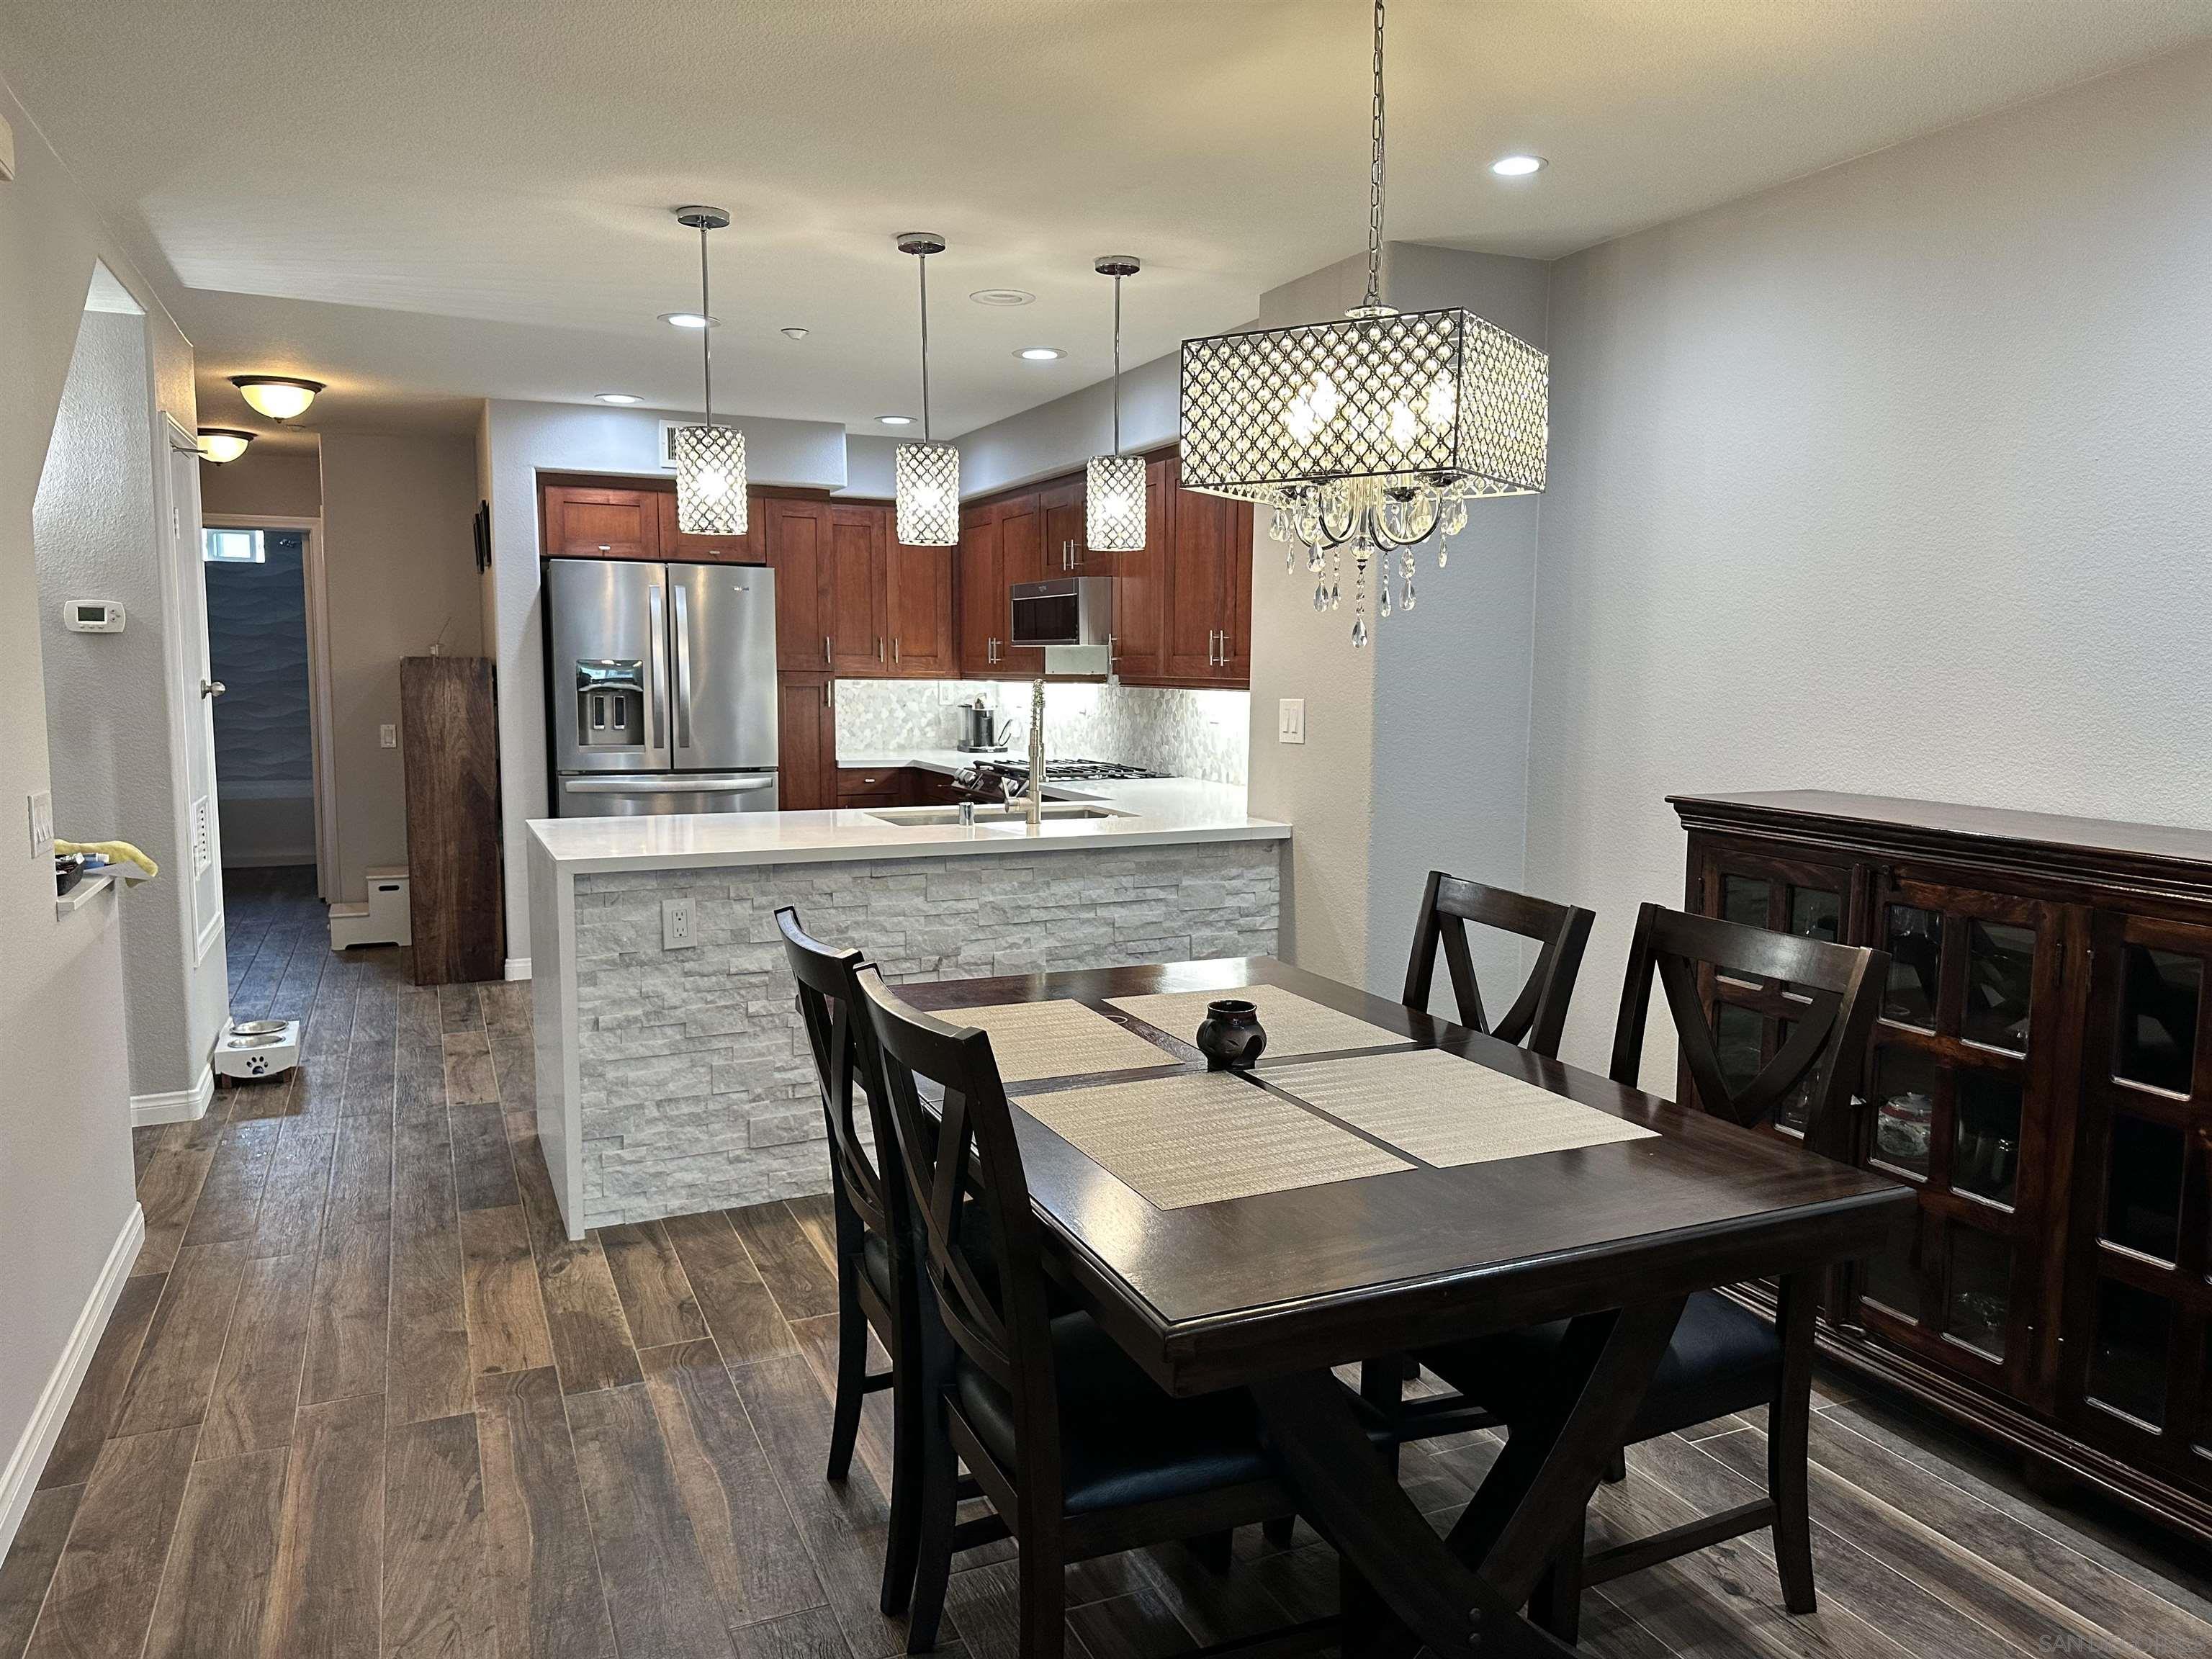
x=1270, y=1290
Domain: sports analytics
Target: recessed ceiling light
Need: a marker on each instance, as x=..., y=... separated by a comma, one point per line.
x=689, y=319
x=1516, y=167
x=1002, y=296
x=896, y=420
x=618, y=397
x=794, y=333
x=1040, y=354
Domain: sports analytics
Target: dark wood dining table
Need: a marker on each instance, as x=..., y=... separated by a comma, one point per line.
x=1269, y=1292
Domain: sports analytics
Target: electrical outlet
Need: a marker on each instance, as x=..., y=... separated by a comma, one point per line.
x=1290, y=720
x=387, y=737
x=676, y=932
x=42, y=824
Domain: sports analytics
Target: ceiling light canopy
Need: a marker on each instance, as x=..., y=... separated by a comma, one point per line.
x=1114, y=483
x=925, y=476
x=624, y=398
x=1375, y=431
x=1517, y=166
x=1040, y=354
x=710, y=459
x=223, y=443
x=689, y=319
x=280, y=396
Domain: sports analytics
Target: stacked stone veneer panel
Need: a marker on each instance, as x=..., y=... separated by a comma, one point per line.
x=696, y=1091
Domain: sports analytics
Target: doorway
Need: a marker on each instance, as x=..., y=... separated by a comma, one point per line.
x=262, y=576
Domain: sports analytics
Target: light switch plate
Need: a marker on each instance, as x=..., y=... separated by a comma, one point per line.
x=203, y=835
x=1290, y=720
x=387, y=737
x=42, y=824
x=676, y=932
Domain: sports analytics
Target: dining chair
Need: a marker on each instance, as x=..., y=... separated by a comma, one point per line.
x=875, y=1282
x=1722, y=1357
x=1079, y=1452
x=1539, y=1013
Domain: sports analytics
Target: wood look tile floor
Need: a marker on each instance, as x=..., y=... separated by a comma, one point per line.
x=363, y=1397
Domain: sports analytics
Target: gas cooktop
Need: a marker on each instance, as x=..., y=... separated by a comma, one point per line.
x=1077, y=771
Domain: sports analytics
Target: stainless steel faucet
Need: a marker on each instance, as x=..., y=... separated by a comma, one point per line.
x=1035, y=788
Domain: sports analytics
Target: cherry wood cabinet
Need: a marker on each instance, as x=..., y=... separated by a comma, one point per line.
x=807, y=723
x=1203, y=584
x=675, y=546
x=583, y=521
x=1140, y=581
x=979, y=578
x=2041, y=1074
x=1066, y=549
x=918, y=595
x=795, y=541
x=859, y=622
x=1021, y=559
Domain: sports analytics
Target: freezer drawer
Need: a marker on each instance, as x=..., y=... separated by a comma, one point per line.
x=644, y=794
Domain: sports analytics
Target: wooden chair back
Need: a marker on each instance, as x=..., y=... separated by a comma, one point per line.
x=1839, y=987
x=988, y=1281
x=827, y=1006
x=1539, y=1014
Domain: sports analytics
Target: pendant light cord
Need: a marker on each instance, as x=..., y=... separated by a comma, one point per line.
x=922, y=263
x=706, y=332
x=1117, y=365
x=1374, y=178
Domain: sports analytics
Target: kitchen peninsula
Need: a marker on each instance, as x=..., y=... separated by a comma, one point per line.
x=673, y=1077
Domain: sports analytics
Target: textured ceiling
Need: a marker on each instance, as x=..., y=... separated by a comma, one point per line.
x=426, y=202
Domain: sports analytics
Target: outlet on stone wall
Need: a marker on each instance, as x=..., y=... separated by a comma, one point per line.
x=676, y=924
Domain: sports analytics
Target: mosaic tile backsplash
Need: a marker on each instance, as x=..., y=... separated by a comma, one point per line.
x=1181, y=734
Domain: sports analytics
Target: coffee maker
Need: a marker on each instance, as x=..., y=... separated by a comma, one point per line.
x=979, y=728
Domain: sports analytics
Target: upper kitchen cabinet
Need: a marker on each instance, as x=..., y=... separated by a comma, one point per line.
x=1140, y=581
x=795, y=538
x=1066, y=534
x=860, y=626
x=590, y=521
x=982, y=614
x=918, y=595
x=1022, y=558
x=1201, y=581
x=890, y=606
x=748, y=549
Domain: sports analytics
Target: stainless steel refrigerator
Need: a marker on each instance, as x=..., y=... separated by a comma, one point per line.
x=663, y=683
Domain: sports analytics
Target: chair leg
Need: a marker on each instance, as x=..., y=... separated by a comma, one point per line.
x=1557, y=1607
x=1788, y=1431
x=1616, y=1470
x=852, y=1373
x=939, y=1505
x=909, y=1425
x=1212, y=1549
x=1277, y=1530
x=1042, y=1576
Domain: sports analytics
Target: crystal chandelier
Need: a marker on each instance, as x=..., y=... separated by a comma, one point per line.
x=710, y=459
x=1113, y=485
x=925, y=476
x=1371, y=434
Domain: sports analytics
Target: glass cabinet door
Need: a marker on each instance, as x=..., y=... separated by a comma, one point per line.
x=2138, y=1314
x=1959, y=1086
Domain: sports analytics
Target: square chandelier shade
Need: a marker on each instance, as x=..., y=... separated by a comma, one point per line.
x=710, y=480
x=1113, y=503
x=925, y=480
x=1440, y=398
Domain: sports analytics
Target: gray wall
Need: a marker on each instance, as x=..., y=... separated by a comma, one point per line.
x=1892, y=479
x=1061, y=435
x=271, y=483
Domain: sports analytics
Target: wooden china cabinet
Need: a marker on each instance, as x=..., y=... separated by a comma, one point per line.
x=2041, y=1073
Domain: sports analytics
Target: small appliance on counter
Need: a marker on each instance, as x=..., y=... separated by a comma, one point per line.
x=979, y=729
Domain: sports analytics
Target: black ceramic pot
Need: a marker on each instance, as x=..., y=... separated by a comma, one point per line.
x=1231, y=1038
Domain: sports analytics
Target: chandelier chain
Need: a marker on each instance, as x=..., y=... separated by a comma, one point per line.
x=1375, y=177
x=706, y=333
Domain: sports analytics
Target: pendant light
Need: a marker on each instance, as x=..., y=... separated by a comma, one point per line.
x=1113, y=485
x=1374, y=432
x=926, y=476
x=280, y=396
x=710, y=459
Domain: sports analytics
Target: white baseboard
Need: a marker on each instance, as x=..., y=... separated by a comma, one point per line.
x=28, y=1461
x=177, y=1106
x=518, y=967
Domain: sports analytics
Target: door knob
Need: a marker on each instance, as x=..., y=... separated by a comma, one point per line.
x=212, y=688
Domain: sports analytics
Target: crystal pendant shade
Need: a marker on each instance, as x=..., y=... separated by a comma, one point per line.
x=925, y=480
x=1113, y=503
x=710, y=480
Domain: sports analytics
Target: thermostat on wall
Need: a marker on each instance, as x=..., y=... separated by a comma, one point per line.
x=92, y=616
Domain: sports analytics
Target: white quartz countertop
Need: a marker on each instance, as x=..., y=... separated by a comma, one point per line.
x=1157, y=811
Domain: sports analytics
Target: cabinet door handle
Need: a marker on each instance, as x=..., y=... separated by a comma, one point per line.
x=603, y=548
x=895, y=643
x=828, y=655
x=879, y=647
x=829, y=694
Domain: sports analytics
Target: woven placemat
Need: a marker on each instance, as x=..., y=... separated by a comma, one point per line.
x=1204, y=1137
x=1059, y=1038
x=1294, y=1025
x=1447, y=1111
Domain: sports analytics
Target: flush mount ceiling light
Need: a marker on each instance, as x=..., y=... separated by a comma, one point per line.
x=1002, y=296
x=689, y=319
x=223, y=443
x=710, y=459
x=623, y=397
x=925, y=476
x=1516, y=167
x=280, y=396
x=1375, y=431
x=896, y=420
x=1113, y=484
x=794, y=333
x=1040, y=354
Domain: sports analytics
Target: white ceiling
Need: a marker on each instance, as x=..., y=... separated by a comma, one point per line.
x=427, y=202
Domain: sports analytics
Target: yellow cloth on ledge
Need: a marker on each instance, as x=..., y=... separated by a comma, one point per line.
x=115, y=852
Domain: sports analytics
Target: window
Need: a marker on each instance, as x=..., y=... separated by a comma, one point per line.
x=231, y=546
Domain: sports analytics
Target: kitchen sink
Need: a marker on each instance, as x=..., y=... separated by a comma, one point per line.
x=1057, y=811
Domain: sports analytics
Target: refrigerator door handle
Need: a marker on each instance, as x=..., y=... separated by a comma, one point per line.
x=689, y=783
x=683, y=670
x=655, y=717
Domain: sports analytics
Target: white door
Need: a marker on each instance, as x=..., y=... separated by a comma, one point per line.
x=194, y=735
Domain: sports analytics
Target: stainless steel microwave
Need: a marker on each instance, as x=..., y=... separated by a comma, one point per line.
x=1073, y=610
